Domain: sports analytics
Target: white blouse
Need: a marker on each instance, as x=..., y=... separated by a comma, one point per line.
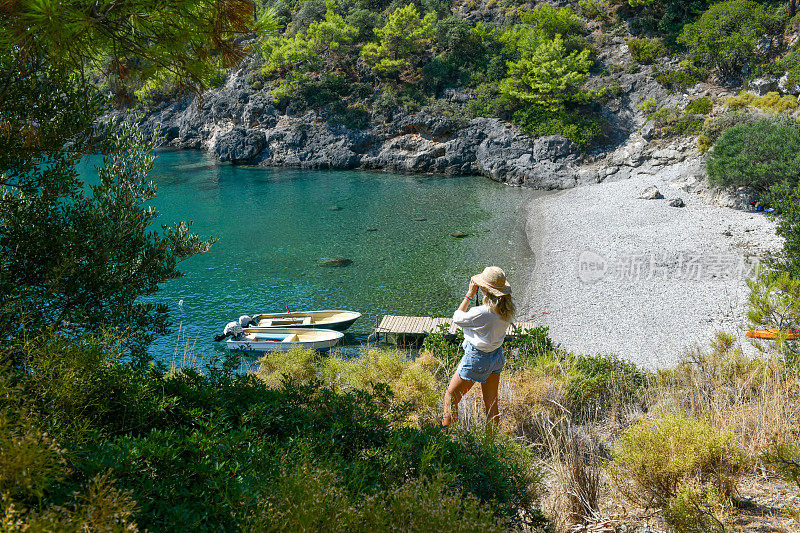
x=483, y=329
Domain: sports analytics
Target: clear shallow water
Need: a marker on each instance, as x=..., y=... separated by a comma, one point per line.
x=275, y=225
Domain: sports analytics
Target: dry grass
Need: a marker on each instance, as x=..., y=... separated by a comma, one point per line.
x=755, y=400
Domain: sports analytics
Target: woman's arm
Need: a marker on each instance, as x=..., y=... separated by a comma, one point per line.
x=471, y=292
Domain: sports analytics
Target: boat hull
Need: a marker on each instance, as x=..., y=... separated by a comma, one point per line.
x=283, y=340
x=337, y=320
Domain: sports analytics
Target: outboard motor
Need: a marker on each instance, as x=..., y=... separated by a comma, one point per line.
x=232, y=329
x=246, y=321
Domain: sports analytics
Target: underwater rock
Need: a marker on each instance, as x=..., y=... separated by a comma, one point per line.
x=335, y=262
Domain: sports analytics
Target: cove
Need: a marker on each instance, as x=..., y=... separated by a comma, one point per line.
x=276, y=227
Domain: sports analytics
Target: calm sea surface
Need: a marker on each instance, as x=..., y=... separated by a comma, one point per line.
x=276, y=227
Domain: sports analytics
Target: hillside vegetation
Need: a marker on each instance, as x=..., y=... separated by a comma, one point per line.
x=97, y=436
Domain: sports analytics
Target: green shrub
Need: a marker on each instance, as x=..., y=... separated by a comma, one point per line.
x=671, y=121
x=704, y=143
x=785, y=458
x=598, y=384
x=648, y=106
x=686, y=75
x=646, y=51
x=596, y=9
x=715, y=127
x=657, y=457
x=313, y=498
x=582, y=128
x=759, y=155
x=661, y=18
x=771, y=102
x=701, y=106
x=699, y=508
x=787, y=202
x=725, y=36
x=202, y=450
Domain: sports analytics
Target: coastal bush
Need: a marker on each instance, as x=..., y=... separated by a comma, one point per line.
x=704, y=143
x=771, y=102
x=584, y=128
x=599, y=10
x=646, y=51
x=685, y=76
x=699, y=508
x=725, y=36
x=774, y=302
x=671, y=120
x=312, y=498
x=758, y=155
x=401, y=44
x=658, y=458
x=700, y=106
x=713, y=128
x=598, y=385
x=202, y=450
x=661, y=18
x=787, y=202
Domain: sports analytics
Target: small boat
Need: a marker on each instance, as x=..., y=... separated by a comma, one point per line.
x=772, y=334
x=333, y=319
x=283, y=339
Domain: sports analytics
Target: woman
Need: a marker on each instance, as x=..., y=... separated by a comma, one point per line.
x=484, y=329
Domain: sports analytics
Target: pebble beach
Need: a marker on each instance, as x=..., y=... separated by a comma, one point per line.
x=617, y=274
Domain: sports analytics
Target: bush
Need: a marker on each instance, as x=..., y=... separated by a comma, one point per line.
x=582, y=128
x=671, y=121
x=726, y=34
x=662, y=18
x=599, y=384
x=685, y=76
x=771, y=102
x=646, y=51
x=657, y=458
x=788, y=204
x=205, y=451
x=714, y=128
x=759, y=155
x=701, y=106
x=704, y=143
x=699, y=508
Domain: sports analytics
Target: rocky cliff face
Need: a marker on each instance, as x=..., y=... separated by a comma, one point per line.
x=241, y=125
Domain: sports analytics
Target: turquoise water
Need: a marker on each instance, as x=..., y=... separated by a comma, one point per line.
x=274, y=226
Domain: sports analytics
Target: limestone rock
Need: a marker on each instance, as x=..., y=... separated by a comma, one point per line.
x=651, y=193
x=676, y=202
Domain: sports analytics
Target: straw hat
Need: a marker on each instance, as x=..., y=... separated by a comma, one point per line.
x=493, y=280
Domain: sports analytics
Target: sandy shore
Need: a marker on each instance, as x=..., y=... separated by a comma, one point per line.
x=638, y=278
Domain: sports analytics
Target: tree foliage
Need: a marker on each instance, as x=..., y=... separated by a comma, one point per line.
x=78, y=259
x=759, y=155
x=546, y=74
x=725, y=36
x=402, y=43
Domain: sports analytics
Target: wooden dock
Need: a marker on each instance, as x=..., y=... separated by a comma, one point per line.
x=411, y=329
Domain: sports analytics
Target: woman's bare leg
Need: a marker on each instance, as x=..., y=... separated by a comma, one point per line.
x=457, y=389
x=489, y=390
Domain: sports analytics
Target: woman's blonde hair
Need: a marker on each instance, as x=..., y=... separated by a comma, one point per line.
x=500, y=305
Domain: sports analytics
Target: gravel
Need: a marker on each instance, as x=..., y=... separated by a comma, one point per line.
x=616, y=274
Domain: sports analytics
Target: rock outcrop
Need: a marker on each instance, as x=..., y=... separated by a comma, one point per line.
x=240, y=125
